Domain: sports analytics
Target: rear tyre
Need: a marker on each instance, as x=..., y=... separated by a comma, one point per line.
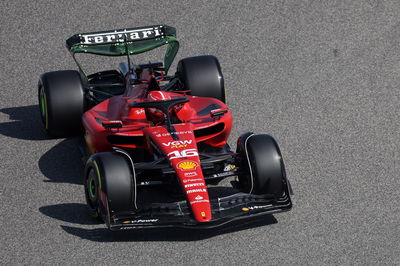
x=262, y=166
x=61, y=102
x=109, y=186
x=202, y=75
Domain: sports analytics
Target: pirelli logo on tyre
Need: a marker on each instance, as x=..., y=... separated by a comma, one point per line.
x=187, y=165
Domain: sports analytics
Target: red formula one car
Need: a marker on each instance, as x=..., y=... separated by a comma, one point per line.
x=157, y=144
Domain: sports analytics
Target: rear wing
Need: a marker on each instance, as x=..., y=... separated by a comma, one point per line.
x=138, y=40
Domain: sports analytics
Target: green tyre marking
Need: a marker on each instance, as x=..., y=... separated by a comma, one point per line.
x=43, y=107
x=91, y=185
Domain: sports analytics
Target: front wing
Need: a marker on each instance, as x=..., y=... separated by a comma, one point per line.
x=178, y=214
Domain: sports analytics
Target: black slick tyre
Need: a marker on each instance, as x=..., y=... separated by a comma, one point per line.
x=61, y=102
x=202, y=75
x=109, y=185
x=263, y=170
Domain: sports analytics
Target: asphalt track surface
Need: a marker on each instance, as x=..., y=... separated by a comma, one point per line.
x=321, y=76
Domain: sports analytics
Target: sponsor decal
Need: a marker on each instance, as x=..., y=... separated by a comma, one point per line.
x=256, y=207
x=174, y=133
x=138, y=112
x=199, y=201
x=141, y=221
x=229, y=167
x=147, y=183
x=198, y=197
x=193, y=180
x=223, y=174
x=179, y=146
x=187, y=165
x=177, y=143
x=183, y=154
x=118, y=36
x=195, y=185
x=196, y=190
x=127, y=227
x=190, y=174
x=260, y=207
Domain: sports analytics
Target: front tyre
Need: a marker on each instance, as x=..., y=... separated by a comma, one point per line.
x=262, y=167
x=92, y=191
x=109, y=185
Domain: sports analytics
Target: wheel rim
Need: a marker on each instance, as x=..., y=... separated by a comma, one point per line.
x=91, y=189
x=43, y=107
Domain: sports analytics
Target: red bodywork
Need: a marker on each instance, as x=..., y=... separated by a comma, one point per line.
x=143, y=128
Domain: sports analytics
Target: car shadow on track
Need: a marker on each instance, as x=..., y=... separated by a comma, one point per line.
x=62, y=163
x=69, y=212
x=76, y=213
x=24, y=123
x=175, y=234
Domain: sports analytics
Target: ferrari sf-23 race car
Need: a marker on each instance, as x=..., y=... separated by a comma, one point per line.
x=157, y=143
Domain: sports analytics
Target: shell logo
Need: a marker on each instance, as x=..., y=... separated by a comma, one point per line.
x=187, y=165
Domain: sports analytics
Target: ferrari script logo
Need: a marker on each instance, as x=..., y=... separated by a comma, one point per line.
x=118, y=36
